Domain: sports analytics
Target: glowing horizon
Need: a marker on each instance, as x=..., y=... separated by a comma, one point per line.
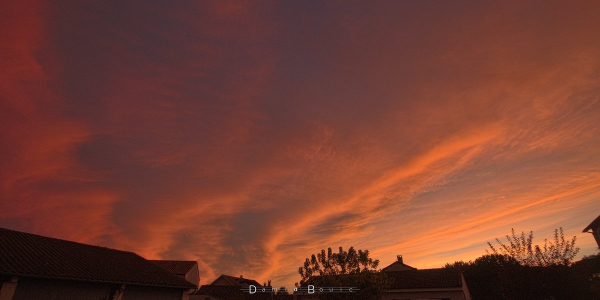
x=249, y=136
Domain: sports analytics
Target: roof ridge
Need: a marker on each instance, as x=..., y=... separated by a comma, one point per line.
x=64, y=240
x=172, y=260
x=33, y=255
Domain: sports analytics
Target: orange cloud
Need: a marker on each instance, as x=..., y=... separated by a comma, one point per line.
x=250, y=136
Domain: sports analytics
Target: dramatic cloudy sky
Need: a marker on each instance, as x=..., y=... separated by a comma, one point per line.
x=250, y=135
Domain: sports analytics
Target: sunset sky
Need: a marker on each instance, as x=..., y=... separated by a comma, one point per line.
x=248, y=136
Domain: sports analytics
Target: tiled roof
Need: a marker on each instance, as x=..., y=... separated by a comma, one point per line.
x=25, y=254
x=177, y=267
x=237, y=281
x=228, y=292
x=426, y=278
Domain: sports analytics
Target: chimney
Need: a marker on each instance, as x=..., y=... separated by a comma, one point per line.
x=400, y=259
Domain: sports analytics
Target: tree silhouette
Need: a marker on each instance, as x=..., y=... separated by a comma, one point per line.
x=345, y=269
x=521, y=248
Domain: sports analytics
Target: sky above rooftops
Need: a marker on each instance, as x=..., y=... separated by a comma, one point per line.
x=248, y=136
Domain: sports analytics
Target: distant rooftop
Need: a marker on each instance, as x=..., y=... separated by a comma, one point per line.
x=177, y=267
x=236, y=281
x=398, y=265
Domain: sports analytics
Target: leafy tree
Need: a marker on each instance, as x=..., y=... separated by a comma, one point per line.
x=587, y=274
x=489, y=277
x=343, y=262
x=345, y=269
x=521, y=248
x=520, y=270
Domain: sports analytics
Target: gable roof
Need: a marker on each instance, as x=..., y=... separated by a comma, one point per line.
x=593, y=225
x=177, y=267
x=398, y=265
x=30, y=255
x=237, y=281
x=426, y=278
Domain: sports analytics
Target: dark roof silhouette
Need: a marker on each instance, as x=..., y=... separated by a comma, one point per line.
x=177, y=267
x=222, y=291
x=238, y=281
x=593, y=225
x=415, y=279
x=426, y=278
x=229, y=292
x=398, y=265
x=30, y=255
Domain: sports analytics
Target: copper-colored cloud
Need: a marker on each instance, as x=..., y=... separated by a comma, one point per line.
x=249, y=136
x=44, y=189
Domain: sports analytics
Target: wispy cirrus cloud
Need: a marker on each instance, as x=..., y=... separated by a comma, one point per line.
x=249, y=136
